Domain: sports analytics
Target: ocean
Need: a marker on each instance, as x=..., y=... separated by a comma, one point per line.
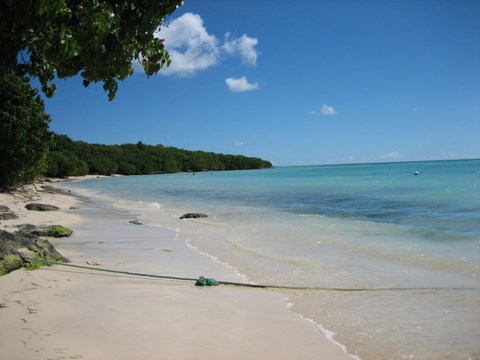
x=404, y=248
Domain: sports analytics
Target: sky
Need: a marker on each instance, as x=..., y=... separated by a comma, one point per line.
x=305, y=82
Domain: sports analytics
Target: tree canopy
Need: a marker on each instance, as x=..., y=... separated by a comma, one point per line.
x=97, y=39
x=24, y=134
x=70, y=158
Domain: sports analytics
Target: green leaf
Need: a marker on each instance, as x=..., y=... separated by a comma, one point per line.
x=96, y=38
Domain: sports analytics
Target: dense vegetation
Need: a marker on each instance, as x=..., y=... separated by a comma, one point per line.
x=24, y=134
x=74, y=158
x=97, y=39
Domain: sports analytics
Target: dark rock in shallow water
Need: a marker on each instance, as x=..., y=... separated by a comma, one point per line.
x=193, y=216
x=6, y=214
x=41, y=207
x=135, y=222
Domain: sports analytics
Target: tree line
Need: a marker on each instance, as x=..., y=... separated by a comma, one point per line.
x=76, y=158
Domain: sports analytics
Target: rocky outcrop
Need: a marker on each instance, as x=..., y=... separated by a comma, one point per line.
x=6, y=213
x=41, y=207
x=135, y=222
x=45, y=250
x=193, y=216
x=56, y=231
x=14, y=247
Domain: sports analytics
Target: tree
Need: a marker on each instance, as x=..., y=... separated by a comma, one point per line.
x=24, y=134
x=103, y=165
x=97, y=38
x=64, y=164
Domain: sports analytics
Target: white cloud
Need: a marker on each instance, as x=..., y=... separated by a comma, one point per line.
x=190, y=46
x=394, y=155
x=451, y=155
x=358, y=159
x=243, y=46
x=326, y=110
x=416, y=109
x=193, y=49
x=240, y=85
x=239, y=143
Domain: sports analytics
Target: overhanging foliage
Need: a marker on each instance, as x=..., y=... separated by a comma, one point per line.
x=97, y=39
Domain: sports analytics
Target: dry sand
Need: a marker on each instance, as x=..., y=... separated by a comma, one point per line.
x=66, y=313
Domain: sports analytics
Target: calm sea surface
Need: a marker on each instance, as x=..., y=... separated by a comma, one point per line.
x=371, y=226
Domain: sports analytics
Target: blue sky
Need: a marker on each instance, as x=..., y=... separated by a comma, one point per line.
x=300, y=82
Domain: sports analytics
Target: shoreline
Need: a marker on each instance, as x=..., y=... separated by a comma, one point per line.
x=54, y=312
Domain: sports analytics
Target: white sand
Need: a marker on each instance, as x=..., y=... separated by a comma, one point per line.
x=66, y=313
x=17, y=200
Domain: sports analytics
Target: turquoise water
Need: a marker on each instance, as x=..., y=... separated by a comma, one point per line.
x=358, y=226
x=445, y=197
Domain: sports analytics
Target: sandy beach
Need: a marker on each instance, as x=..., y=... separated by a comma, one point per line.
x=66, y=313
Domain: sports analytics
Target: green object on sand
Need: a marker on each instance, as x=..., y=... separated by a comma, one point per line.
x=203, y=281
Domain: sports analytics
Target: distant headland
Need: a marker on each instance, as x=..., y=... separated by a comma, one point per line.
x=77, y=158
